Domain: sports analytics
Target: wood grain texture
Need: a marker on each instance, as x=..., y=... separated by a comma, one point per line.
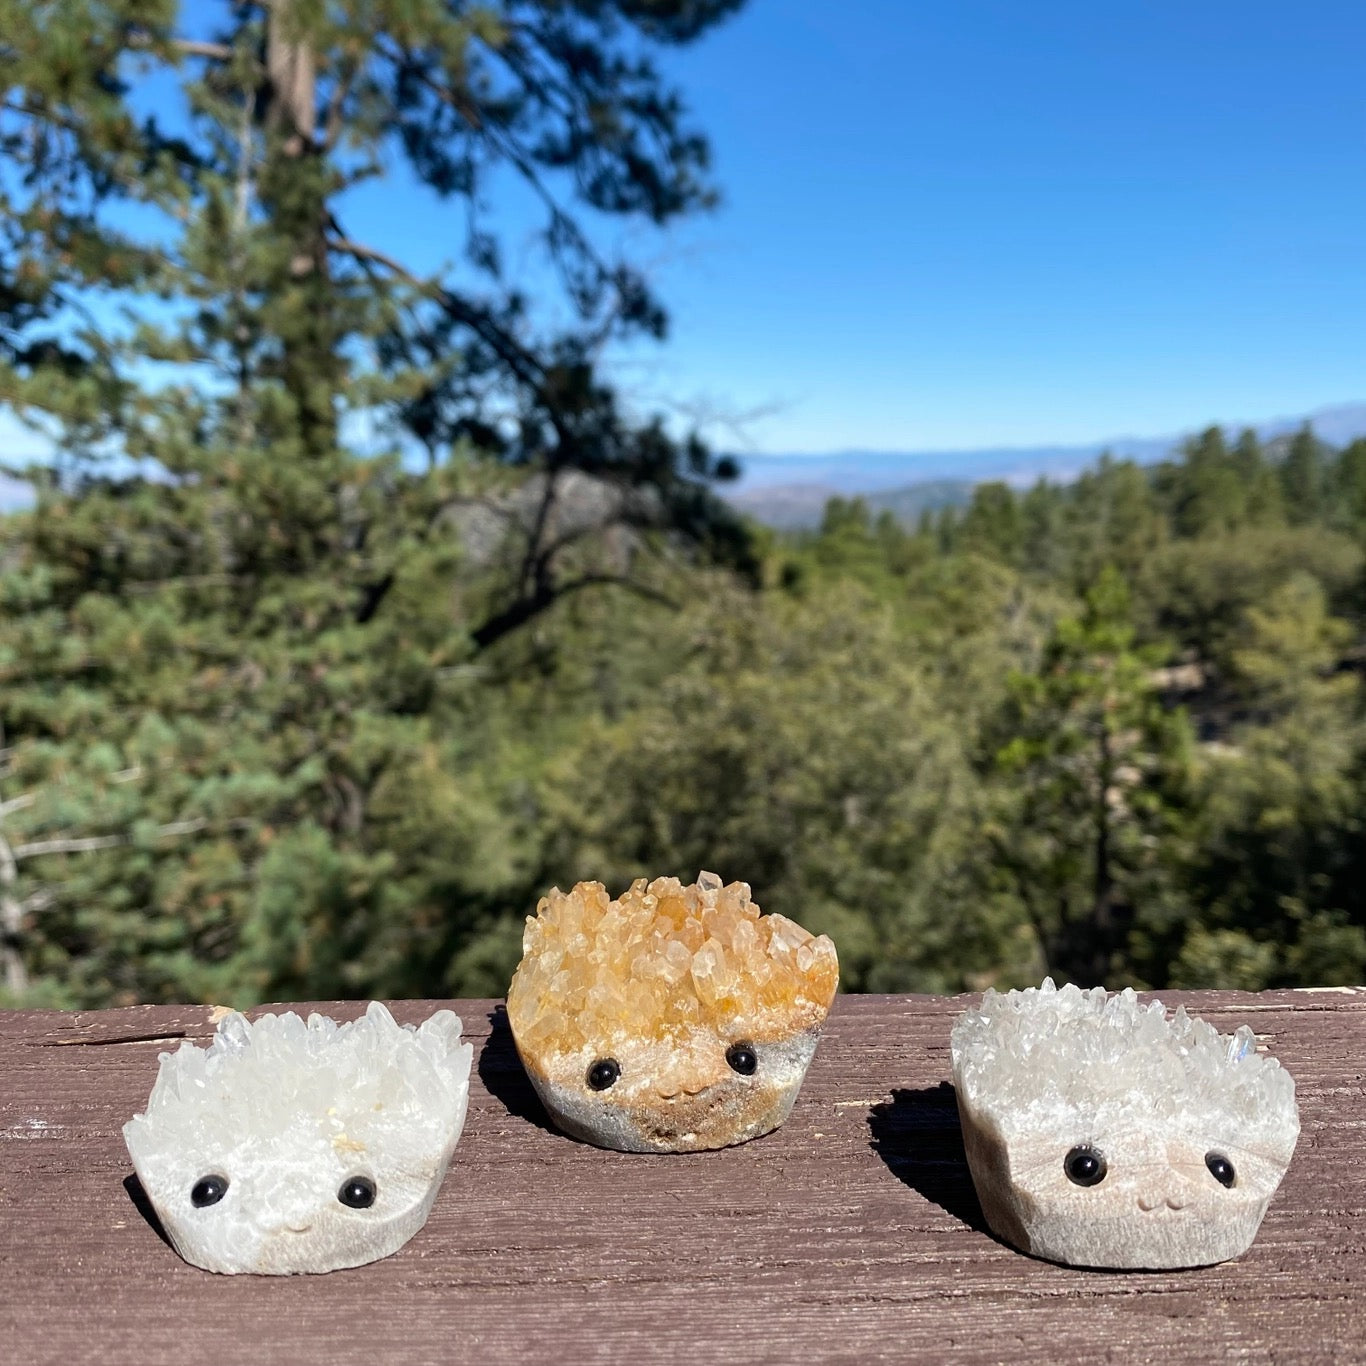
x=850, y=1235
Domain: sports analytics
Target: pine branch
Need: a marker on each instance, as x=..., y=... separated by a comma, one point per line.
x=524, y=366
x=507, y=147
x=467, y=111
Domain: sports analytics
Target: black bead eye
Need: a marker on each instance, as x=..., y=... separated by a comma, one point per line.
x=603, y=1073
x=743, y=1059
x=208, y=1190
x=357, y=1192
x=1084, y=1166
x=1220, y=1168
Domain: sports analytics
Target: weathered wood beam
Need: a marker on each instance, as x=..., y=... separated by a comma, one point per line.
x=850, y=1235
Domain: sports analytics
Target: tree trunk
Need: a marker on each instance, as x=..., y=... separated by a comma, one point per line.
x=11, y=922
x=1102, y=908
x=293, y=79
x=294, y=192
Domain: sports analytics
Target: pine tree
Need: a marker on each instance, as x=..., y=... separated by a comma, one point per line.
x=1091, y=773
x=1349, y=487
x=1276, y=865
x=1206, y=491
x=992, y=524
x=245, y=749
x=1264, y=502
x=303, y=324
x=1111, y=517
x=1302, y=477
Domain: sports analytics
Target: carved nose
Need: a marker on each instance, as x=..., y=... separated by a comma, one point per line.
x=295, y=1216
x=672, y=1091
x=1149, y=1203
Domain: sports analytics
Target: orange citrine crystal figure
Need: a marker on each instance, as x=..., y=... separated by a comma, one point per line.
x=672, y=1019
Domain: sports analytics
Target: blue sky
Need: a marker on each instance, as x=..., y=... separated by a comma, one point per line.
x=978, y=223
x=971, y=223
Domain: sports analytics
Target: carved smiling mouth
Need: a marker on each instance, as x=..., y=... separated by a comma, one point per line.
x=663, y=1122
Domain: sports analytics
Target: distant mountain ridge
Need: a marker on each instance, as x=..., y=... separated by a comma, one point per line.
x=789, y=492
x=799, y=507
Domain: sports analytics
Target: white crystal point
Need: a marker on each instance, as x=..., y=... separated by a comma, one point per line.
x=1160, y=1100
x=288, y=1113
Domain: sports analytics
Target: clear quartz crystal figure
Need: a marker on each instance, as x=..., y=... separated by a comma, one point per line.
x=296, y=1146
x=671, y=1019
x=1102, y=1132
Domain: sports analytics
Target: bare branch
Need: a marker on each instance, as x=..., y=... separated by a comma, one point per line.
x=33, y=110
x=188, y=827
x=529, y=607
x=536, y=562
x=192, y=47
x=641, y=590
x=82, y=845
x=333, y=123
x=522, y=364
x=188, y=47
x=89, y=843
x=467, y=111
x=362, y=252
x=505, y=144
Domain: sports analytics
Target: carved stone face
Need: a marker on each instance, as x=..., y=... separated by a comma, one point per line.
x=675, y=1096
x=1101, y=1134
x=671, y=1020
x=1158, y=1204
x=291, y=1147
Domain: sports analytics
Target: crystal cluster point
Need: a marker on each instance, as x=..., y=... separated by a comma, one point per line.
x=1104, y=1132
x=255, y=1150
x=664, y=982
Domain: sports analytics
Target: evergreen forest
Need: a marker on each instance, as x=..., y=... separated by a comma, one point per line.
x=357, y=608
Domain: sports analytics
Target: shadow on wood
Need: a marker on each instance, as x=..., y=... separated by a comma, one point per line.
x=917, y=1134
x=501, y=1071
x=143, y=1205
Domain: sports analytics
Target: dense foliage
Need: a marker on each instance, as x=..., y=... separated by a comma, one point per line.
x=1020, y=739
x=287, y=715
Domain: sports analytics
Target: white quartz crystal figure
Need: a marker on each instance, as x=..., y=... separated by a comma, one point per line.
x=1102, y=1132
x=291, y=1146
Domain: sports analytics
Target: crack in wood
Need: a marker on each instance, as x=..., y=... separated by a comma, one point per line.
x=109, y=1043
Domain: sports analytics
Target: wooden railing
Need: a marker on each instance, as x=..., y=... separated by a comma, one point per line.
x=850, y=1235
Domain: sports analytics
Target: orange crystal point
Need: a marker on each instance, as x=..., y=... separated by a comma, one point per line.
x=661, y=961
